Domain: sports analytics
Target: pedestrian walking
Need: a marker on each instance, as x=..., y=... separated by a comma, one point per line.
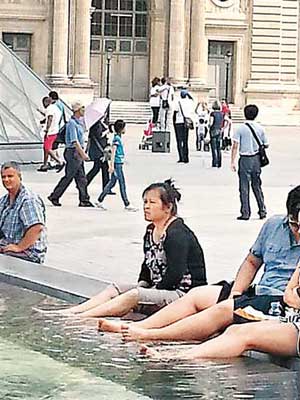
x=116, y=168
x=155, y=99
x=183, y=122
x=97, y=142
x=53, y=117
x=215, y=131
x=75, y=157
x=249, y=169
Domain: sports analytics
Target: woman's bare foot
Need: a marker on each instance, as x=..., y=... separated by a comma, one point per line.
x=150, y=352
x=106, y=325
x=130, y=333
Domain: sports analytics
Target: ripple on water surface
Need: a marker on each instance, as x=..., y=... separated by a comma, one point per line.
x=53, y=356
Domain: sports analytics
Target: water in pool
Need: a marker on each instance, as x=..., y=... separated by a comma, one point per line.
x=46, y=356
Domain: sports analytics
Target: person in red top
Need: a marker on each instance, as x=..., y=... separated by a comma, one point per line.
x=225, y=108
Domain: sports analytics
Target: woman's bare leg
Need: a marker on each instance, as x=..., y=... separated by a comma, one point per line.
x=107, y=294
x=191, y=303
x=195, y=300
x=117, y=307
x=195, y=327
x=267, y=336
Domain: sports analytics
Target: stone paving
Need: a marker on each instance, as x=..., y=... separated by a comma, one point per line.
x=108, y=244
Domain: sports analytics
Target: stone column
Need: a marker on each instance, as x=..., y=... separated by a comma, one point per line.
x=177, y=41
x=60, y=41
x=82, y=42
x=198, y=44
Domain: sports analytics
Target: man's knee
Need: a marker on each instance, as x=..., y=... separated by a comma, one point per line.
x=246, y=335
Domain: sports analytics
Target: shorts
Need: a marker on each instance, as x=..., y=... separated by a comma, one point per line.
x=259, y=303
x=150, y=300
x=49, y=141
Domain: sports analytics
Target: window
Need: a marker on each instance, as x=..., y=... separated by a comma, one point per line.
x=110, y=25
x=20, y=43
x=141, y=5
x=126, y=5
x=125, y=26
x=120, y=21
x=141, y=25
x=111, y=4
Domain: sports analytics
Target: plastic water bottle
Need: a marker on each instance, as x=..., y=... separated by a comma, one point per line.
x=275, y=309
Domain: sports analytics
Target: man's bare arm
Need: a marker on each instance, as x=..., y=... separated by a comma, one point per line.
x=81, y=152
x=234, y=151
x=31, y=236
x=246, y=274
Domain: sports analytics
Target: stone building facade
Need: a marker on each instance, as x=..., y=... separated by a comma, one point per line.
x=247, y=50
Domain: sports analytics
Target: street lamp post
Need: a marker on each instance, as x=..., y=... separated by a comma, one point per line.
x=108, y=65
x=228, y=57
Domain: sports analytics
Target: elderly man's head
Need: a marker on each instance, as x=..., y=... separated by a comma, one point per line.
x=78, y=108
x=11, y=176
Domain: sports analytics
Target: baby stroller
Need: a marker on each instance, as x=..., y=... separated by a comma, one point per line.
x=147, y=136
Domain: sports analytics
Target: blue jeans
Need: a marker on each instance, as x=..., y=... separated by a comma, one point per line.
x=116, y=176
x=215, y=142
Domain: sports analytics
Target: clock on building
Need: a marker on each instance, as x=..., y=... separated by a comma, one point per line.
x=223, y=3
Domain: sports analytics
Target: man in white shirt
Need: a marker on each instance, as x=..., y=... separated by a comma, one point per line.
x=184, y=108
x=53, y=118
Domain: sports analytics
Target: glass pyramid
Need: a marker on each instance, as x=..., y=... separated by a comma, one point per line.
x=21, y=93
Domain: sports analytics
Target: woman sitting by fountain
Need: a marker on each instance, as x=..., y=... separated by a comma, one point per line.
x=173, y=262
x=277, y=334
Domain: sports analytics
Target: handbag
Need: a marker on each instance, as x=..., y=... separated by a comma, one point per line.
x=165, y=104
x=188, y=122
x=106, y=151
x=261, y=148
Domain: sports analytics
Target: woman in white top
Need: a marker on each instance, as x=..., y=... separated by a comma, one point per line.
x=155, y=99
x=184, y=109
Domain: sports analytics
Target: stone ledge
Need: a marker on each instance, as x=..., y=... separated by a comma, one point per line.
x=47, y=280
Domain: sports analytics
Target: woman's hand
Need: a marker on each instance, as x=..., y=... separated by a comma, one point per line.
x=291, y=298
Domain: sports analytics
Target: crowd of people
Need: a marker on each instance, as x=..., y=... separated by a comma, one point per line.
x=213, y=127
x=226, y=317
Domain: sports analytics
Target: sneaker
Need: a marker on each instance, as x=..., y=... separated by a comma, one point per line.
x=60, y=167
x=131, y=209
x=54, y=202
x=100, y=206
x=86, y=204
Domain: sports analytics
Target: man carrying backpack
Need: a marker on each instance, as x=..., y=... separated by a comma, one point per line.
x=75, y=156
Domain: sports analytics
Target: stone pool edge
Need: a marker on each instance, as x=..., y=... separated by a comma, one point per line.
x=76, y=288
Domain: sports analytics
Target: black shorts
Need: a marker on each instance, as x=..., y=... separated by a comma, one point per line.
x=259, y=303
x=226, y=290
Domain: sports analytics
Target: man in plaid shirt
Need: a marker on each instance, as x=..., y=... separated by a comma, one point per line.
x=22, y=218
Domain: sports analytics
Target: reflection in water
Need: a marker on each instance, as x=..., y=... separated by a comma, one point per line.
x=69, y=340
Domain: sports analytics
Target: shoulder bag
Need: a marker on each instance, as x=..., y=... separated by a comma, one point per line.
x=106, y=151
x=188, y=122
x=261, y=148
x=165, y=103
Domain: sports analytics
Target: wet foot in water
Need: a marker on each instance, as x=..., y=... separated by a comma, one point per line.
x=106, y=325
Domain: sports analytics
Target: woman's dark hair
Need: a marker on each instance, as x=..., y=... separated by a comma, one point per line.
x=293, y=202
x=169, y=194
x=118, y=126
x=155, y=81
